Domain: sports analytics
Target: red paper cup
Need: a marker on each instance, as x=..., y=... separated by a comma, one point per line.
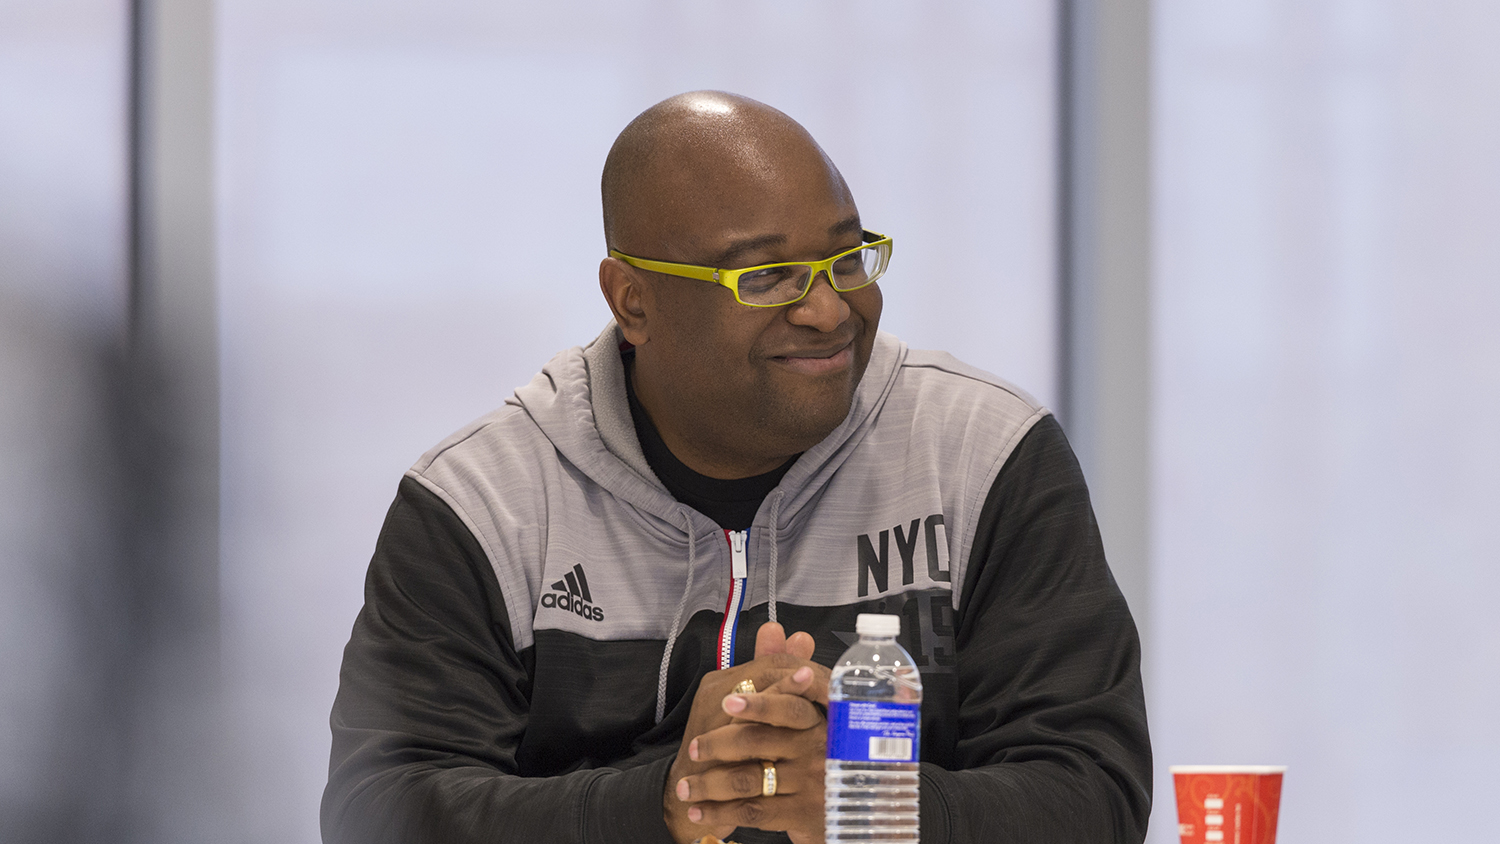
x=1227, y=804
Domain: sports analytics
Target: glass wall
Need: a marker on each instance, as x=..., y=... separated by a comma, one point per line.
x=408, y=228
x=63, y=203
x=1327, y=375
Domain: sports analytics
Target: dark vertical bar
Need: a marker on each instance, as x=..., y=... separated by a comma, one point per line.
x=135, y=144
x=1066, y=159
x=168, y=421
x=1103, y=183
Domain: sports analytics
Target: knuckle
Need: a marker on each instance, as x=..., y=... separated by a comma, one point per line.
x=707, y=691
x=801, y=712
x=774, y=668
x=742, y=781
x=815, y=739
x=750, y=813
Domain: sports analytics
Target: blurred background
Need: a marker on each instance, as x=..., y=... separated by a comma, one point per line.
x=257, y=256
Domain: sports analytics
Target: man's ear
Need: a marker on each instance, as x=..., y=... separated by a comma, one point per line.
x=624, y=289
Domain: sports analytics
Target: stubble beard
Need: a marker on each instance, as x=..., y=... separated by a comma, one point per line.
x=785, y=425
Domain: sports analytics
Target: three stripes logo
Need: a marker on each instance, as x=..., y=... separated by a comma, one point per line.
x=571, y=594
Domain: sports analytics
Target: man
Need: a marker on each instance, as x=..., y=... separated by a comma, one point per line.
x=560, y=607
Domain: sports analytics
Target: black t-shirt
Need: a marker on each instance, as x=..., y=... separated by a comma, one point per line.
x=731, y=503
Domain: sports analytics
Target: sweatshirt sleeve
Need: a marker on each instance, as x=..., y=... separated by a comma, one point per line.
x=432, y=706
x=1053, y=745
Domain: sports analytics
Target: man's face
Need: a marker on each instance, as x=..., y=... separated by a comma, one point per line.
x=757, y=385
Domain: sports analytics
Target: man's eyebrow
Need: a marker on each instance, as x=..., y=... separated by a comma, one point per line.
x=726, y=258
x=848, y=225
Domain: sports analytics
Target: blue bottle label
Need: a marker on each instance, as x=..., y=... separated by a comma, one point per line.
x=873, y=731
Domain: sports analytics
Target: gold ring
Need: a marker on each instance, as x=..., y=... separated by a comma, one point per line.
x=745, y=687
x=767, y=779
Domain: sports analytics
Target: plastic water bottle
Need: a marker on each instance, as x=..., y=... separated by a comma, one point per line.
x=874, y=740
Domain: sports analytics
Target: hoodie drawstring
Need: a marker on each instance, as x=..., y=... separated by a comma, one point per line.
x=776, y=498
x=666, y=654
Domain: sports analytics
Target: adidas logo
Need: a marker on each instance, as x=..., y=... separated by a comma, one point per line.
x=571, y=594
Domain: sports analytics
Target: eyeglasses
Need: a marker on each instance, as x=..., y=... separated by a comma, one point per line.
x=774, y=285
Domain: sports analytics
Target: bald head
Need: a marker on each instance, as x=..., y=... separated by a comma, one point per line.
x=695, y=161
x=717, y=180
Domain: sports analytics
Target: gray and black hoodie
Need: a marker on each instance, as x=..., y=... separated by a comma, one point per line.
x=539, y=611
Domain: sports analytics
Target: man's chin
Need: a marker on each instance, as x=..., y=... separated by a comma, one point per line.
x=800, y=409
x=807, y=421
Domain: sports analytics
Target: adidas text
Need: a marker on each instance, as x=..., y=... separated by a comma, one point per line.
x=573, y=604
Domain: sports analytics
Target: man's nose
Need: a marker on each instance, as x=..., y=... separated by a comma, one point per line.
x=822, y=308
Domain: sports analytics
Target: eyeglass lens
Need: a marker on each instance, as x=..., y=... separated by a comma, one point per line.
x=782, y=284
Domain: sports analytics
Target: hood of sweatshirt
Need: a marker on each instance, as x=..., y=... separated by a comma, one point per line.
x=578, y=401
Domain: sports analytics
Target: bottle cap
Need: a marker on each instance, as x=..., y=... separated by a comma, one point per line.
x=875, y=624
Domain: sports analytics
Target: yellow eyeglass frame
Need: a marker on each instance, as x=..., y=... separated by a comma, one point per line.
x=730, y=278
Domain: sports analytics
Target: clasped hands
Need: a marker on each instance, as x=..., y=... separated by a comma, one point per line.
x=717, y=780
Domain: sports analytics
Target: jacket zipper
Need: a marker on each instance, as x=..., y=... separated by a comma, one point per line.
x=739, y=572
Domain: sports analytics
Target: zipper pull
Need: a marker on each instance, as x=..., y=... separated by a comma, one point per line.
x=738, y=566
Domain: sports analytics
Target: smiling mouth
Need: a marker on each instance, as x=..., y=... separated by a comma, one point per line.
x=819, y=362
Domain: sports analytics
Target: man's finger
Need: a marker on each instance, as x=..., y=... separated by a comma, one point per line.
x=738, y=782
x=782, y=706
x=770, y=639
x=809, y=682
x=773, y=814
x=745, y=741
x=766, y=671
x=801, y=645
